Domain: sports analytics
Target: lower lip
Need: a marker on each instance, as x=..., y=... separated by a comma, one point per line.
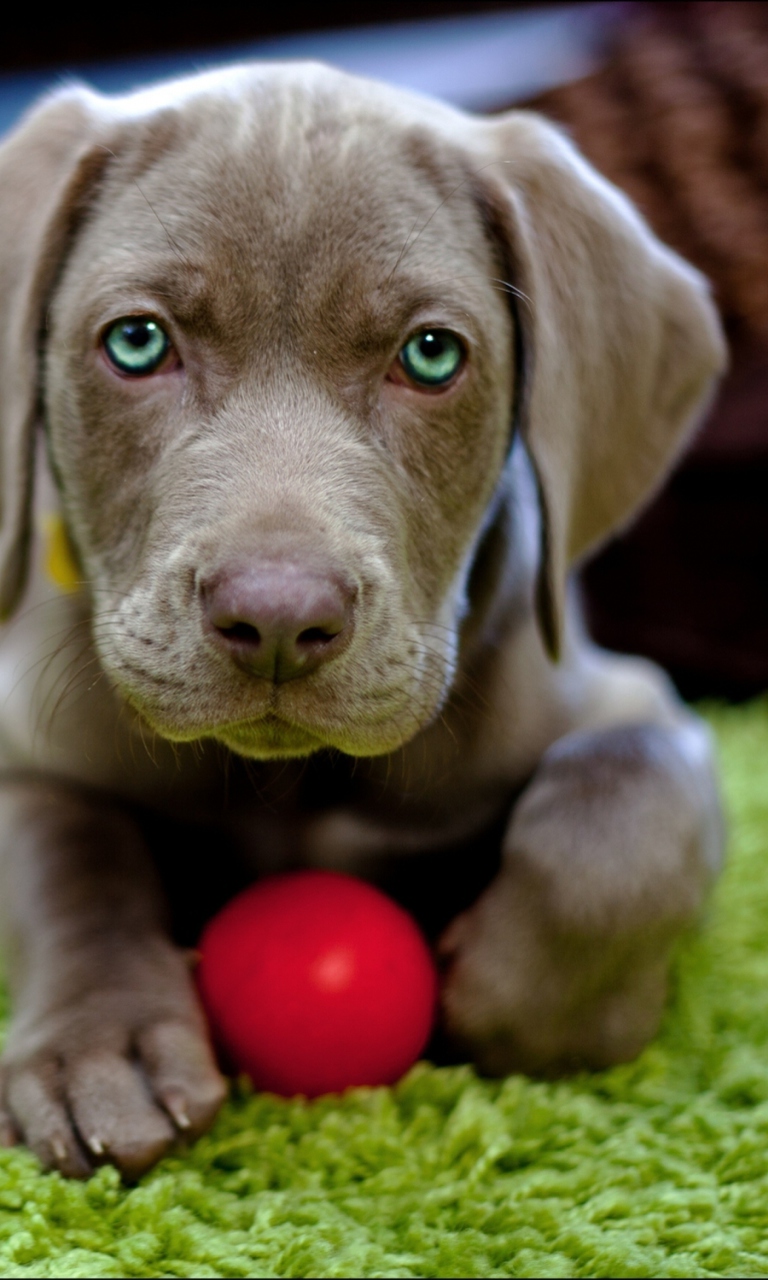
x=269, y=736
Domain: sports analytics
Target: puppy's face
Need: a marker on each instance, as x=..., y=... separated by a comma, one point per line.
x=278, y=386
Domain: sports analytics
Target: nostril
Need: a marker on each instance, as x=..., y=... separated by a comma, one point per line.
x=317, y=635
x=242, y=631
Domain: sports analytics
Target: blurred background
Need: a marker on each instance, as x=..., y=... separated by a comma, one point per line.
x=670, y=101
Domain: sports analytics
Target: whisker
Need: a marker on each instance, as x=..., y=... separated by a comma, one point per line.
x=72, y=682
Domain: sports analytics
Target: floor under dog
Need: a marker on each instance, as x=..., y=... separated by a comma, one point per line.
x=659, y=1168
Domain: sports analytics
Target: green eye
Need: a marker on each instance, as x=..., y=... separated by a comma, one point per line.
x=136, y=344
x=431, y=358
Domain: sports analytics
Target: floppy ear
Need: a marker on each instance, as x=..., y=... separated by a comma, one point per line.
x=46, y=164
x=621, y=343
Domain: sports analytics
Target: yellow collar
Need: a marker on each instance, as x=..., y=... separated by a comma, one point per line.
x=59, y=559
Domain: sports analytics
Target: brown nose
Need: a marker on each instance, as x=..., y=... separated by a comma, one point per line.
x=278, y=620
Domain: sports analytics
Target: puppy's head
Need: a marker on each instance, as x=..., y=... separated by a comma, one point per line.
x=269, y=311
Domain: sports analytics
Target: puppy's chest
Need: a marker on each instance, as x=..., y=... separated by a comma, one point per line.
x=350, y=815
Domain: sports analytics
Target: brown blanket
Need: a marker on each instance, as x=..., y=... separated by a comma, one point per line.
x=678, y=116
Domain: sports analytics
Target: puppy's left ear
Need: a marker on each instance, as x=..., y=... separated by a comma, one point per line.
x=621, y=342
x=46, y=165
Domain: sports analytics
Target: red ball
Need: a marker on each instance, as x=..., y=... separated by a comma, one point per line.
x=315, y=981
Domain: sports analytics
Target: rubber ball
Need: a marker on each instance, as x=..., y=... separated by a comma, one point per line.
x=314, y=982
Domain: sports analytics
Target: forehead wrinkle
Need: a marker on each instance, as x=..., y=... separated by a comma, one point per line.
x=278, y=179
x=285, y=156
x=270, y=245
x=282, y=132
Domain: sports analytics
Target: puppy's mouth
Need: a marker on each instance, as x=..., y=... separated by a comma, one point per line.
x=269, y=737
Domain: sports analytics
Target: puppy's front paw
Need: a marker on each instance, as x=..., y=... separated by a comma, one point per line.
x=522, y=994
x=115, y=1079
x=563, y=960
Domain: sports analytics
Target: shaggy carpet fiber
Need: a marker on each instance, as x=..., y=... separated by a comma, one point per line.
x=659, y=1168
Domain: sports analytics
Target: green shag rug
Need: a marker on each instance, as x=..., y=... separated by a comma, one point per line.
x=659, y=1168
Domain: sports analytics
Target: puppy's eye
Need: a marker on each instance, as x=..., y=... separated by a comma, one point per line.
x=432, y=358
x=136, y=345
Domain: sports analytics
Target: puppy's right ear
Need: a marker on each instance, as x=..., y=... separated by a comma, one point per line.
x=47, y=165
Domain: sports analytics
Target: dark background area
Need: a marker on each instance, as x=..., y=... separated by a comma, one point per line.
x=677, y=115
x=66, y=35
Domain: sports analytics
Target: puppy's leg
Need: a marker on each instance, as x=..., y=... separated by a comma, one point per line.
x=609, y=854
x=107, y=1055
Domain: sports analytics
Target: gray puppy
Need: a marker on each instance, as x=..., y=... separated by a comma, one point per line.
x=336, y=386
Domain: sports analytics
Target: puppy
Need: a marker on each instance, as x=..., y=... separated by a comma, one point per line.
x=336, y=386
